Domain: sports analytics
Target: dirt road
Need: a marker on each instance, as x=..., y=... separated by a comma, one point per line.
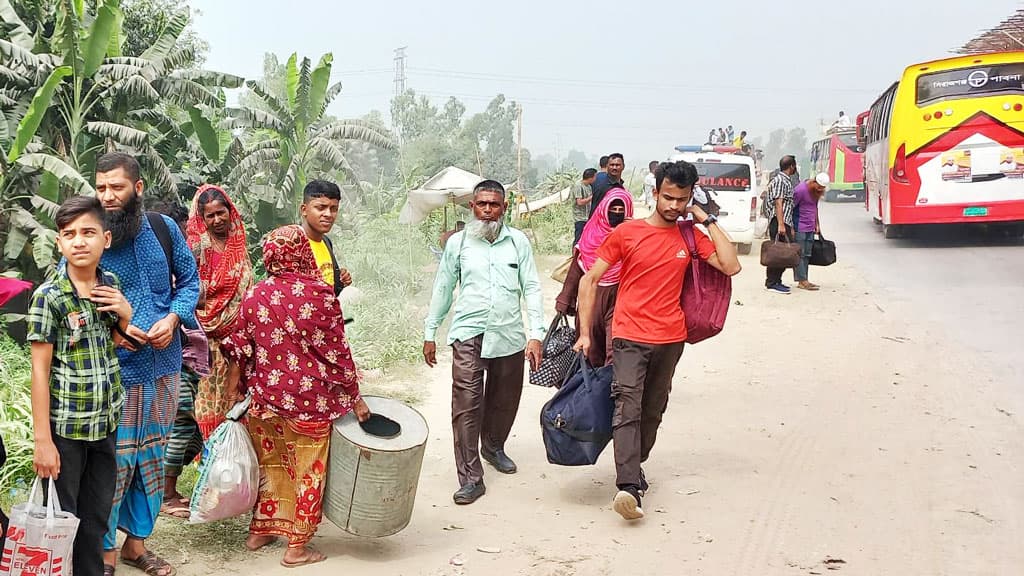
x=831, y=430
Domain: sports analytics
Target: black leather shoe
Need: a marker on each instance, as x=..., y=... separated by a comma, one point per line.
x=501, y=462
x=469, y=493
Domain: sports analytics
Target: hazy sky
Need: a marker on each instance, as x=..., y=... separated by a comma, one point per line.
x=638, y=77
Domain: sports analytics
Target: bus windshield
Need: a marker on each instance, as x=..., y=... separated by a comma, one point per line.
x=969, y=82
x=723, y=177
x=850, y=141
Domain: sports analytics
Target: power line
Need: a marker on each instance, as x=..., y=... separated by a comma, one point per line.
x=690, y=87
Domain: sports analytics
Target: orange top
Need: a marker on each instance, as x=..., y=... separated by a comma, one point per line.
x=654, y=261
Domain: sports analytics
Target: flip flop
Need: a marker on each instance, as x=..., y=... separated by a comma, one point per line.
x=151, y=564
x=176, y=508
x=313, y=558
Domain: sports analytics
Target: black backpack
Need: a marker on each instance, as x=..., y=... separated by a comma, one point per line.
x=334, y=265
x=163, y=235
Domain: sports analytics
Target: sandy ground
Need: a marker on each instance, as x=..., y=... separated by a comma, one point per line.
x=821, y=431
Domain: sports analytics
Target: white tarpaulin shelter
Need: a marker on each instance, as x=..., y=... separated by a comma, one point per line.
x=534, y=205
x=452, y=184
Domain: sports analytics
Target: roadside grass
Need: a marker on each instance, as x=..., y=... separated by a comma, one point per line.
x=549, y=229
x=15, y=421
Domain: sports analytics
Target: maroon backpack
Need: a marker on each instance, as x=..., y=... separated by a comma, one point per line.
x=706, y=293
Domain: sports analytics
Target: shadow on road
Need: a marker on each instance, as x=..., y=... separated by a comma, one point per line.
x=955, y=236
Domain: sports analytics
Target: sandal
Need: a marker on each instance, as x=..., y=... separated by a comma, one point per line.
x=312, y=558
x=108, y=570
x=176, y=508
x=151, y=564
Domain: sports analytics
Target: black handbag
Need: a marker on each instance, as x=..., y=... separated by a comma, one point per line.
x=823, y=252
x=557, y=354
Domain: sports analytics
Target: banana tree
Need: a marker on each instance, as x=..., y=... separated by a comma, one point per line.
x=30, y=180
x=110, y=99
x=295, y=140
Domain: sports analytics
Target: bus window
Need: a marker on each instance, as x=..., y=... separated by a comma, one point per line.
x=850, y=141
x=970, y=82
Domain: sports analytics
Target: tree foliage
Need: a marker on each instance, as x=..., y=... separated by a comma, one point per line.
x=484, y=143
x=294, y=139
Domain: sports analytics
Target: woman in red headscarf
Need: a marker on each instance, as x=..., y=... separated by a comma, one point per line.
x=217, y=237
x=289, y=349
x=614, y=209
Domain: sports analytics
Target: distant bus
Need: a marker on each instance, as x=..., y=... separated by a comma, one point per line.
x=945, y=145
x=840, y=156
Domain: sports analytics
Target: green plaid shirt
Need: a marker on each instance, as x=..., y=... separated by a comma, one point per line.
x=85, y=378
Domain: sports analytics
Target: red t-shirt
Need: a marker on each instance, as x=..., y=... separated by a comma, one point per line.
x=654, y=262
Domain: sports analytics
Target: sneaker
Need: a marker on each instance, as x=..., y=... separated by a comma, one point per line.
x=644, y=486
x=779, y=288
x=627, y=504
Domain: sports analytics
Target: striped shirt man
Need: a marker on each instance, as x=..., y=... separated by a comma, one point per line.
x=781, y=186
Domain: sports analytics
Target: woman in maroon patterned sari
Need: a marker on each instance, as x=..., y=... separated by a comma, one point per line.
x=290, y=350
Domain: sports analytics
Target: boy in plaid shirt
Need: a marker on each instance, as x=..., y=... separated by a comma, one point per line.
x=74, y=321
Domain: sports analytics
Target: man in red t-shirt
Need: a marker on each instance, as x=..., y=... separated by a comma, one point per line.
x=648, y=326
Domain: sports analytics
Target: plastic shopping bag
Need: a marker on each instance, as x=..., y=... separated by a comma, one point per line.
x=40, y=538
x=229, y=473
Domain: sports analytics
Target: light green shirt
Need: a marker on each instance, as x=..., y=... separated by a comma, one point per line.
x=495, y=278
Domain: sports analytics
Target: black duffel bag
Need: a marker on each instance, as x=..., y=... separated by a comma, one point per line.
x=576, y=423
x=823, y=252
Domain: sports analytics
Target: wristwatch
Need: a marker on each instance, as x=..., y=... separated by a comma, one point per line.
x=711, y=219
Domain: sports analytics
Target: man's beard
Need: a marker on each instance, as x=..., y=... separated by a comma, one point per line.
x=124, y=223
x=484, y=230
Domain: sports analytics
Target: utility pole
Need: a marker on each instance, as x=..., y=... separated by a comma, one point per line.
x=519, y=148
x=519, y=168
x=400, y=71
x=399, y=85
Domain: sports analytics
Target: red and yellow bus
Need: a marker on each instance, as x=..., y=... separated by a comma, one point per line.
x=945, y=144
x=840, y=155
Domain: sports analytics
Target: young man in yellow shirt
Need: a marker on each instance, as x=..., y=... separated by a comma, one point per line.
x=320, y=202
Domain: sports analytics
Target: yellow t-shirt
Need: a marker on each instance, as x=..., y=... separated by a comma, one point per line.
x=322, y=254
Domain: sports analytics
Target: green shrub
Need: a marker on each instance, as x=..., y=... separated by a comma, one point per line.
x=391, y=264
x=549, y=229
x=15, y=416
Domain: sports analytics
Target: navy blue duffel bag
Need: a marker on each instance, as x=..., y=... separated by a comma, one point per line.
x=577, y=421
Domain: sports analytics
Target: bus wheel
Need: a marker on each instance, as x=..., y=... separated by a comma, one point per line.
x=743, y=248
x=891, y=231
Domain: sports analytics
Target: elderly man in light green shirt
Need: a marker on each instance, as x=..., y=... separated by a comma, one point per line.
x=492, y=264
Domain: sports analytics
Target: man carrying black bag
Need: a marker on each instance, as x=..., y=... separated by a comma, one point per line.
x=806, y=196
x=648, y=325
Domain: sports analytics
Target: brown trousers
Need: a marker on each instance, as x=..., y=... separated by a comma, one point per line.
x=485, y=400
x=643, y=381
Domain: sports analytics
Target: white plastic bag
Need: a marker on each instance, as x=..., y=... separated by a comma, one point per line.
x=229, y=473
x=40, y=538
x=761, y=227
